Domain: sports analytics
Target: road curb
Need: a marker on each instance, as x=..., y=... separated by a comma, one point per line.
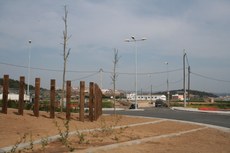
x=197, y=110
x=139, y=141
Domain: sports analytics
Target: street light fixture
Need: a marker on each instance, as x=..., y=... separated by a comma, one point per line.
x=135, y=40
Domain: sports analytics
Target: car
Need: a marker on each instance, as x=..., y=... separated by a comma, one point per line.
x=132, y=106
x=160, y=103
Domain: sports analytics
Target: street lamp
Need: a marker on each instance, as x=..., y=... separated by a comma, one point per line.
x=28, y=81
x=184, y=79
x=167, y=83
x=135, y=40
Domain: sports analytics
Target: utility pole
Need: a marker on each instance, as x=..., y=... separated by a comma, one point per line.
x=184, y=80
x=167, y=84
x=151, y=94
x=189, y=82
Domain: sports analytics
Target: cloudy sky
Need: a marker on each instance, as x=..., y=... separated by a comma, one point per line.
x=96, y=27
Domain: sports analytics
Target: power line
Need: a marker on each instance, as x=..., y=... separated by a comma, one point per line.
x=44, y=69
x=210, y=78
x=177, y=81
x=90, y=75
x=144, y=73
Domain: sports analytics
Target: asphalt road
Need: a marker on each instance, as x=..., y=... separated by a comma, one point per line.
x=222, y=120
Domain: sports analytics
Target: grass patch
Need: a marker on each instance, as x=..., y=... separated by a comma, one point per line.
x=107, y=104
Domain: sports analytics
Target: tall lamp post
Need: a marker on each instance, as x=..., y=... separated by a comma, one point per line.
x=184, y=79
x=167, y=83
x=28, y=81
x=135, y=40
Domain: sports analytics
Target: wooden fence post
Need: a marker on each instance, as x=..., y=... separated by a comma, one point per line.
x=68, y=99
x=96, y=102
x=52, y=99
x=21, y=95
x=37, y=97
x=91, y=101
x=100, y=102
x=5, y=94
x=82, y=100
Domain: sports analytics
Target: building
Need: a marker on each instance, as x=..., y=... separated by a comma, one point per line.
x=145, y=97
x=178, y=97
x=15, y=97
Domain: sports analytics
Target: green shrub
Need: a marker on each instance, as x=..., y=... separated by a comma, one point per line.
x=12, y=104
x=107, y=105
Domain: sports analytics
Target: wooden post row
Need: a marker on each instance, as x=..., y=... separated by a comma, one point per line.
x=5, y=93
x=95, y=98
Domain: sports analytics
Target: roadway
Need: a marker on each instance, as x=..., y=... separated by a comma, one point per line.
x=216, y=119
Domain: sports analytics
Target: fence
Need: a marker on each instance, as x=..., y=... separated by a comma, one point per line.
x=95, y=98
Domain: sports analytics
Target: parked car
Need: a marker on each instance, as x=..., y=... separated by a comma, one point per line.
x=160, y=103
x=132, y=106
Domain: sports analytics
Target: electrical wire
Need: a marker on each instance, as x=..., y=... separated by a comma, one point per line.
x=90, y=75
x=73, y=71
x=44, y=69
x=144, y=73
x=210, y=78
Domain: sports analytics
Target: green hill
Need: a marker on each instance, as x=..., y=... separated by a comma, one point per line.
x=14, y=84
x=201, y=94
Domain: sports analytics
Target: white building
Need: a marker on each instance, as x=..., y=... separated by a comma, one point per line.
x=15, y=97
x=145, y=97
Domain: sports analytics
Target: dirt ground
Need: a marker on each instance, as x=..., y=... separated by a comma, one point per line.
x=129, y=134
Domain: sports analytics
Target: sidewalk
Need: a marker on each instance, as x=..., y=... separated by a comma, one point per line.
x=197, y=110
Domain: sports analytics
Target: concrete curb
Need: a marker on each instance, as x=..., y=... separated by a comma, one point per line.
x=197, y=110
x=139, y=141
x=111, y=109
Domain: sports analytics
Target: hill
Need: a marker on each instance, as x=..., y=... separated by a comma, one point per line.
x=14, y=84
x=201, y=94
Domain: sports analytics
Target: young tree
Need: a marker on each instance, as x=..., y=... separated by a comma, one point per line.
x=66, y=53
x=114, y=76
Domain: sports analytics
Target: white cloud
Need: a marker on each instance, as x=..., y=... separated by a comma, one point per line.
x=200, y=27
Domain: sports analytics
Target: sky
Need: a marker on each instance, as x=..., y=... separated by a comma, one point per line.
x=199, y=28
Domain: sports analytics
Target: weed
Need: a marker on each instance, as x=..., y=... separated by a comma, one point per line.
x=64, y=135
x=23, y=140
x=31, y=143
x=44, y=143
x=15, y=147
x=116, y=138
x=81, y=137
x=105, y=128
x=116, y=119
